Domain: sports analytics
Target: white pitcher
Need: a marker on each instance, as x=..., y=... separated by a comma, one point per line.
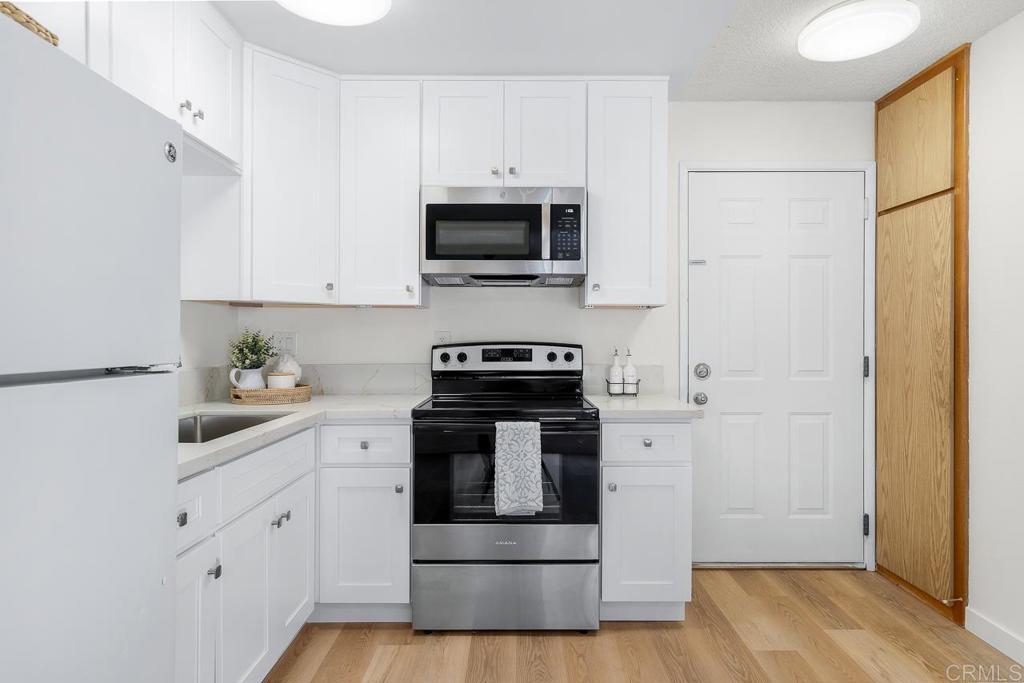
x=247, y=379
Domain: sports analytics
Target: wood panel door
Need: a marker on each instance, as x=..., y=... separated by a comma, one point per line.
x=915, y=143
x=915, y=394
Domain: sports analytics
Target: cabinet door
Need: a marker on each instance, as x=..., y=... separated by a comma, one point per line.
x=196, y=603
x=646, y=534
x=208, y=76
x=132, y=44
x=294, y=182
x=462, y=133
x=244, y=639
x=291, y=562
x=545, y=134
x=364, y=535
x=627, y=193
x=380, y=189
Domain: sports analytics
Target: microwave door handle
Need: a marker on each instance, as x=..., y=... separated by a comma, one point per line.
x=545, y=231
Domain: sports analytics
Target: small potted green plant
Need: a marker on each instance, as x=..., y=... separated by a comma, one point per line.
x=248, y=354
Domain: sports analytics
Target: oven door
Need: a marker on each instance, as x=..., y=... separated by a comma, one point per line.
x=484, y=232
x=453, y=474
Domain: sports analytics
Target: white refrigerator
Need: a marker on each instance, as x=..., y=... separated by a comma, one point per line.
x=89, y=247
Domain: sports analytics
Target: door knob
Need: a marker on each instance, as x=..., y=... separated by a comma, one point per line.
x=700, y=398
x=613, y=487
x=182, y=518
x=330, y=286
x=399, y=488
x=701, y=370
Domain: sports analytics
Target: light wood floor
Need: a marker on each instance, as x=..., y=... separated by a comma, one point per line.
x=743, y=625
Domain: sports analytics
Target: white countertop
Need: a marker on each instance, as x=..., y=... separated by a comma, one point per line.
x=654, y=407
x=194, y=458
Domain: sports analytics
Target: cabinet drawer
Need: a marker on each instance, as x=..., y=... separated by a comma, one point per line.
x=664, y=442
x=364, y=445
x=251, y=478
x=197, y=508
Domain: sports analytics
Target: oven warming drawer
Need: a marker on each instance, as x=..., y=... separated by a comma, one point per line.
x=504, y=542
x=505, y=596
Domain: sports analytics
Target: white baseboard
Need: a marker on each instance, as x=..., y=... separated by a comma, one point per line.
x=643, y=611
x=326, y=613
x=996, y=635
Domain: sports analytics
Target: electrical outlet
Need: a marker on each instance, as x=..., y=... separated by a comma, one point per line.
x=442, y=337
x=287, y=342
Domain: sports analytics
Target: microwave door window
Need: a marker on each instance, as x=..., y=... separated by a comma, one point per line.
x=482, y=239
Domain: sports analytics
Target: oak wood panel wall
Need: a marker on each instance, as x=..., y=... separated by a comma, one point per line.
x=915, y=394
x=921, y=526
x=915, y=143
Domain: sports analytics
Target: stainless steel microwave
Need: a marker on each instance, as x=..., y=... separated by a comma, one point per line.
x=503, y=236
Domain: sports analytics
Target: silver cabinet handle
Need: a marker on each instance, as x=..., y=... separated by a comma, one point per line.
x=648, y=443
x=185, y=106
x=329, y=286
x=511, y=170
x=286, y=517
x=495, y=170
x=199, y=115
x=364, y=445
x=595, y=287
x=613, y=487
x=216, y=572
x=182, y=518
x=410, y=289
x=399, y=488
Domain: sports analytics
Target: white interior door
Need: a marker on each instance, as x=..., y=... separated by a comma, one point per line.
x=776, y=309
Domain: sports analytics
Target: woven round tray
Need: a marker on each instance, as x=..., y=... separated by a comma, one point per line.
x=270, y=397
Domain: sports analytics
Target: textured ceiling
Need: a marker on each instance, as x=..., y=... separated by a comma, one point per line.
x=711, y=49
x=492, y=37
x=754, y=57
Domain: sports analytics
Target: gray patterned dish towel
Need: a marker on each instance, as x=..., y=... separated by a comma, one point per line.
x=517, y=466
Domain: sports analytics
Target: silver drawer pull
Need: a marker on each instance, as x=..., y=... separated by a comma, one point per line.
x=182, y=518
x=364, y=445
x=399, y=488
x=215, y=572
x=613, y=487
x=648, y=443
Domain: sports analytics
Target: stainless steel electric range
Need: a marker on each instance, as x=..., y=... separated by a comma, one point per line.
x=472, y=569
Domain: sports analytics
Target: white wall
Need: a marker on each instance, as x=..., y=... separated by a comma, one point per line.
x=705, y=131
x=996, y=231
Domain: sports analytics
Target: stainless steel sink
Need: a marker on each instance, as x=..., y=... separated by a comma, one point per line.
x=203, y=428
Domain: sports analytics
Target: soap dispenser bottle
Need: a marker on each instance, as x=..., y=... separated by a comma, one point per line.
x=629, y=380
x=615, y=375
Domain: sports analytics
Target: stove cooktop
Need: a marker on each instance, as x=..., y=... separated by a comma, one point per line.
x=512, y=408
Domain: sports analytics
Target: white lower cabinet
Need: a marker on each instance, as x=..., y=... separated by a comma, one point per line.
x=267, y=556
x=196, y=602
x=646, y=534
x=364, y=535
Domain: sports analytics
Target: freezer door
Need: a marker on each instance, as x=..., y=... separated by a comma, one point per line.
x=89, y=217
x=87, y=498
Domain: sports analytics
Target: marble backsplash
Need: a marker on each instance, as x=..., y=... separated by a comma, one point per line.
x=198, y=385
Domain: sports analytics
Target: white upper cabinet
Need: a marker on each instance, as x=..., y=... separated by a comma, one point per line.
x=132, y=44
x=293, y=182
x=646, y=534
x=627, y=193
x=364, y=535
x=380, y=184
x=545, y=134
x=66, y=19
x=463, y=134
x=208, y=77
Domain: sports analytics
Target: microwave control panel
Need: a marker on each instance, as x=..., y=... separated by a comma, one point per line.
x=566, y=239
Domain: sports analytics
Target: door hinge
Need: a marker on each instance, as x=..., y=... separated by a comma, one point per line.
x=867, y=524
x=867, y=366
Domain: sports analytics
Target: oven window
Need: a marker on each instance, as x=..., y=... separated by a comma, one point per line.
x=453, y=475
x=472, y=238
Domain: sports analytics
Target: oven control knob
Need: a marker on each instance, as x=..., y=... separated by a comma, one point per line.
x=462, y=357
x=552, y=356
x=569, y=356
x=445, y=357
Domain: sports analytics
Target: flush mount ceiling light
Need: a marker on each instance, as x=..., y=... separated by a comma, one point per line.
x=339, y=12
x=858, y=28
